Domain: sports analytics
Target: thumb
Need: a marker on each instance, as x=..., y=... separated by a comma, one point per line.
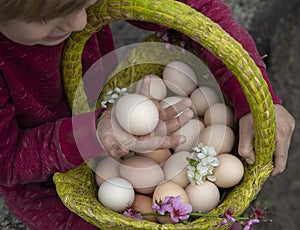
x=246, y=138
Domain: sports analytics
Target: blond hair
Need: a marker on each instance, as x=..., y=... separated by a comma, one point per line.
x=37, y=10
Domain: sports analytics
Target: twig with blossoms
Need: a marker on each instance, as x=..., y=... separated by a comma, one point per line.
x=181, y=212
x=258, y=215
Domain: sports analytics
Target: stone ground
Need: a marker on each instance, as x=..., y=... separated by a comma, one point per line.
x=275, y=27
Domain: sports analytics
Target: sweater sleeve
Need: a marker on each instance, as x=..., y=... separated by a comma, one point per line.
x=220, y=13
x=34, y=154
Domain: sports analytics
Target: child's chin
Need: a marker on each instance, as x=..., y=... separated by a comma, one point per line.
x=51, y=43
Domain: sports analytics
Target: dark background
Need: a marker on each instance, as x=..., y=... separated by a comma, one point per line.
x=275, y=27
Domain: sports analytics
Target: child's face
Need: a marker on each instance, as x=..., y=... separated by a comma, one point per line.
x=47, y=33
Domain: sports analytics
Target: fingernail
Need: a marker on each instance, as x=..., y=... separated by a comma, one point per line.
x=181, y=139
x=188, y=101
x=190, y=114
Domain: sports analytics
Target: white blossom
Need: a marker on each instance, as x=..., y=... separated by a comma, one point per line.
x=202, y=162
x=112, y=95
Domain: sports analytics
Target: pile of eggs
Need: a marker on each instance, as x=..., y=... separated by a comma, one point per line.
x=141, y=179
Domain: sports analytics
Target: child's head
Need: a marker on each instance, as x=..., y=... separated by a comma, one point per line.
x=43, y=22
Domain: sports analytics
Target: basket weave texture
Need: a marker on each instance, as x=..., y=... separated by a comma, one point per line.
x=77, y=188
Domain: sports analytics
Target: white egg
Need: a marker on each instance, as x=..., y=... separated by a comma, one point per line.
x=180, y=78
x=158, y=88
x=204, y=197
x=116, y=194
x=136, y=114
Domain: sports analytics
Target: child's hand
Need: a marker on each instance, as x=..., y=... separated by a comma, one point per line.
x=285, y=125
x=117, y=142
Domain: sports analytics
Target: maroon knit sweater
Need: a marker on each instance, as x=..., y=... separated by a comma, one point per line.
x=36, y=133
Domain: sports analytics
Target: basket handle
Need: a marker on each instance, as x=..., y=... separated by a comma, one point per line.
x=198, y=27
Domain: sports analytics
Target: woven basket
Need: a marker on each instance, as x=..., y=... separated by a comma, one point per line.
x=77, y=188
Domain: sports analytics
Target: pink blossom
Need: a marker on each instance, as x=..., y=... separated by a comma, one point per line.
x=228, y=218
x=250, y=222
x=175, y=207
x=180, y=211
x=130, y=212
x=162, y=206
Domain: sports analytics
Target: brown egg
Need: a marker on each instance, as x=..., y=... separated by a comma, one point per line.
x=159, y=156
x=229, y=172
x=175, y=168
x=202, y=98
x=142, y=172
x=143, y=204
x=219, y=136
x=180, y=78
x=204, y=197
x=219, y=113
x=168, y=188
x=158, y=89
x=107, y=168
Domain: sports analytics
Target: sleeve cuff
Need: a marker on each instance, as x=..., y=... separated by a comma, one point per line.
x=78, y=138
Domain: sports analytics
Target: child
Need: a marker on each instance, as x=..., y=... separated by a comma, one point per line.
x=36, y=137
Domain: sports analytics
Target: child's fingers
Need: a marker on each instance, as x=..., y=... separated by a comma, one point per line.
x=176, y=123
x=117, y=151
x=246, y=138
x=285, y=125
x=145, y=86
x=174, y=110
x=150, y=144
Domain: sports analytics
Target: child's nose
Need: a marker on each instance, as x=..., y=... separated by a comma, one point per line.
x=76, y=21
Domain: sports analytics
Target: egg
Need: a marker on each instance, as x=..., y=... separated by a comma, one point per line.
x=229, y=172
x=219, y=136
x=204, y=197
x=158, y=89
x=180, y=78
x=116, y=194
x=159, y=155
x=142, y=172
x=136, y=114
x=107, y=168
x=191, y=131
x=169, y=188
x=165, y=189
x=219, y=113
x=202, y=98
x=143, y=204
x=175, y=168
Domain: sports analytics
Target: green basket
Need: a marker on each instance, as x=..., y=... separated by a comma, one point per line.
x=77, y=188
